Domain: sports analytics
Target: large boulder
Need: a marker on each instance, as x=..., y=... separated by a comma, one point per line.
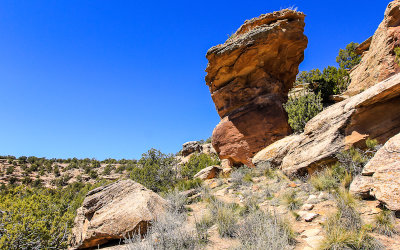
x=379, y=59
x=113, y=212
x=374, y=113
x=380, y=178
x=249, y=77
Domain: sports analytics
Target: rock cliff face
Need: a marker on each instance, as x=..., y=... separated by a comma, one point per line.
x=249, y=77
x=379, y=60
x=113, y=212
x=374, y=113
x=380, y=178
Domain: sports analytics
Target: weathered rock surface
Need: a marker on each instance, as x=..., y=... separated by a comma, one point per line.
x=381, y=176
x=113, y=211
x=379, y=61
x=208, y=173
x=374, y=113
x=191, y=147
x=249, y=77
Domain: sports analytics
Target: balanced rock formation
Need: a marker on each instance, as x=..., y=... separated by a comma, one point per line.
x=113, y=212
x=374, y=113
x=380, y=178
x=249, y=77
x=379, y=61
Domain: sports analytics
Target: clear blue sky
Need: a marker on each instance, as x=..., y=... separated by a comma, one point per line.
x=116, y=78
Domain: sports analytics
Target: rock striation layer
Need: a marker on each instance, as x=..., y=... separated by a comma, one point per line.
x=113, y=212
x=249, y=77
x=379, y=59
x=374, y=113
x=380, y=178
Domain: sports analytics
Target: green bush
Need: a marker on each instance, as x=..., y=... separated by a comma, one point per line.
x=38, y=218
x=347, y=58
x=155, y=171
x=196, y=163
x=302, y=108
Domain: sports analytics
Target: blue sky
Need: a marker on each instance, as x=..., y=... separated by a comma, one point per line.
x=115, y=78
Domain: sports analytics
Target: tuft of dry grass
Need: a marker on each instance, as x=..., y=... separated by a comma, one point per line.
x=291, y=200
x=385, y=223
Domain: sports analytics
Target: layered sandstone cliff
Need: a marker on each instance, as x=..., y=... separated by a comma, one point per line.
x=379, y=60
x=249, y=77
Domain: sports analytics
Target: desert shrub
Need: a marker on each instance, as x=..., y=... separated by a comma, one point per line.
x=107, y=170
x=155, y=171
x=10, y=170
x=38, y=218
x=344, y=229
x=241, y=176
x=385, y=223
x=225, y=218
x=202, y=227
x=347, y=58
x=196, y=163
x=188, y=184
x=302, y=108
x=93, y=174
x=261, y=230
x=354, y=159
x=291, y=200
x=329, y=178
x=176, y=200
x=167, y=232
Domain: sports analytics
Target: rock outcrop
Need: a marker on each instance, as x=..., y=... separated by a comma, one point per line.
x=191, y=147
x=208, y=173
x=249, y=77
x=379, y=61
x=113, y=212
x=380, y=178
x=374, y=113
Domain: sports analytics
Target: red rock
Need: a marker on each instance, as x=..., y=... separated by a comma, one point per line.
x=249, y=77
x=379, y=61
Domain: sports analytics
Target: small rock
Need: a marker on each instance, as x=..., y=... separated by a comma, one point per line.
x=323, y=196
x=292, y=185
x=307, y=207
x=312, y=199
x=310, y=217
x=310, y=233
x=314, y=241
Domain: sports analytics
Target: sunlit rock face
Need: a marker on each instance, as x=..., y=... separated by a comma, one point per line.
x=379, y=58
x=249, y=77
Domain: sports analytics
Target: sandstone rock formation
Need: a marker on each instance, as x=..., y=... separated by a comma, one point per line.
x=113, y=212
x=379, y=61
x=380, y=178
x=208, y=173
x=249, y=77
x=374, y=113
x=190, y=147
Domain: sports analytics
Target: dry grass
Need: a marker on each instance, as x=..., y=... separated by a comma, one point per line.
x=385, y=223
x=291, y=200
x=260, y=230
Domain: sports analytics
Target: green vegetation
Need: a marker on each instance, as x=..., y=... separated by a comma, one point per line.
x=350, y=163
x=196, y=163
x=347, y=58
x=302, y=108
x=261, y=230
x=290, y=199
x=332, y=80
x=385, y=223
x=155, y=171
x=226, y=218
x=38, y=218
x=344, y=229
